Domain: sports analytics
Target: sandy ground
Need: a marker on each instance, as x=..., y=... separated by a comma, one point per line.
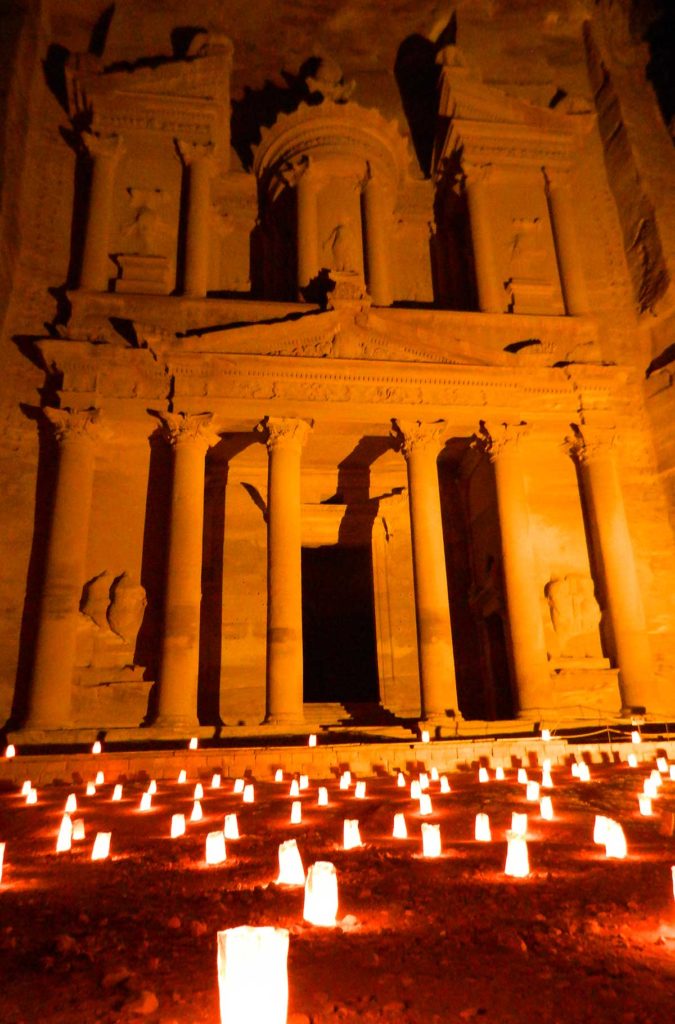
x=582, y=939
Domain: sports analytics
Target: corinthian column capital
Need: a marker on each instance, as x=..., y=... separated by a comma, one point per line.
x=284, y=432
x=110, y=147
x=416, y=435
x=586, y=444
x=74, y=424
x=499, y=438
x=195, y=152
x=189, y=428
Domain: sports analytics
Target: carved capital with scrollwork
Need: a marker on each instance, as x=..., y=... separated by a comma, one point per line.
x=588, y=444
x=195, y=153
x=104, y=147
x=414, y=436
x=284, y=432
x=74, y=425
x=184, y=428
x=499, y=439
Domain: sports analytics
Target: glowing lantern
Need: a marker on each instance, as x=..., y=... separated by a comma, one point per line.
x=415, y=789
x=197, y=813
x=546, y=808
x=31, y=796
x=655, y=776
x=345, y=780
x=177, y=825
x=672, y=773
x=279, y=775
x=101, y=847
x=499, y=773
x=575, y=769
x=519, y=824
x=584, y=772
x=323, y=797
x=193, y=744
x=424, y=780
x=238, y=786
x=321, y=894
x=152, y=787
x=231, y=828
x=291, y=871
x=100, y=779
x=483, y=775
x=296, y=812
x=400, y=828
x=662, y=765
x=425, y=804
x=650, y=789
x=545, y=735
x=517, y=861
x=351, y=836
x=117, y=793
x=532, y=792
x=199, y=791
x=645, y=803
x=26, y=786
x=146, y=802
x=10, y=750
x=215, y=848
x=434, y=774
x=635, y=737
x=312, y=740
x=600, y=829
x=304, y=782
x=522, y=776
x=252, y=975
x=182, y=777
x=445, y=785
x=400, y=780
x=91, y=789
x=78, y=830
x=96, y=748
x=248, y=796
x=615, y=841
x=632, y=761
x=431, y=840
x=295, y=788
x=65, y=836
x=360, y=791
x=483, y=833
x=215, y=781
x=2, y=858
x=546, y=780
x=71, y=803
x=424, y=736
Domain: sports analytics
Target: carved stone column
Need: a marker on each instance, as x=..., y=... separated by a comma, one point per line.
x=593, y=450
x=420, y=443
x=49, y=704
x=523, y=599
x=378, y=243
x=105, y=152
x=490, y=290
x=562, y=213
x=307, y=224
x=285, y=439
x=198, y=160
x=190, y=437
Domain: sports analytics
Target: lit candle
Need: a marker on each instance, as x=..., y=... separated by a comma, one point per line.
x=71, y=804
x=532, y=792
x=279, y=775
x=434, y=774
x=431, y=840
x=231, y=827
x=483, y=775
x=31, y=796
x=424, y=780
x=345, y=780
x=545, y=735
x=215, y=848
x=304, y=782
x=96, y=749
x=321, y=894
x=635, y=737
x=584, y=772
x=483, y=833
x=177, y=825
x=499, y=773
x=295, y=788
x=247, y=955
x=519, y=824
x=425, y=804
x=400, y=828
x=199, y=791
x=117, y=793
x=296, y=812
x=193, y=744
x=360, y=791
x=600, y=829
x=238, y=786
x=101, y=847
x=632, y=761
x=351, y=836
x=517, y=860
x=91, y=789
x=65, y=836
x=546, y=780
x=182, y=777
x=197, y=813
x=78, y=830
x=424, y=736
x=248, y=796
x=323, y=797
x=146, y=802
x=415, y=789
x=100, y=779
x=522, y=776
x=10, y=750
x=28, y=785
x=291, y=870
x=215, y=781
x=615, y=841
x=645, y=805
x=546, y=808
x=152, y=787
x=312, y=740
x=445, y=785
x=400, y=780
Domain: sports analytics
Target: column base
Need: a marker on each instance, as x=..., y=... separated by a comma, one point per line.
x=180, y=726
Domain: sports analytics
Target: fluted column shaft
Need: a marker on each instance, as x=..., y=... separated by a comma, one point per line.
x=490, y=291
x=285, y=439
x=307, y=226
x=190, y=437
x=561, y=210
x=105, y=152
x=420, y=444
x=526, y=628
x=198, y=161
x=593, y=450
x=49, y=705
x=378, y=243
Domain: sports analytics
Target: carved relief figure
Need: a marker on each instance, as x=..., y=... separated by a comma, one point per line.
x=340, y=251
x=127, y=607
x=575, y=616
x=146, y=230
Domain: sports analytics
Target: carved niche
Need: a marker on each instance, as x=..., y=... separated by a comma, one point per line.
x=574, y=616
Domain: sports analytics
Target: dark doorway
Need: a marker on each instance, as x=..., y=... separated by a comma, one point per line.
x=338, y=625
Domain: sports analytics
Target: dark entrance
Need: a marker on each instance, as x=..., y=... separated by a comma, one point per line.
x=338, y=625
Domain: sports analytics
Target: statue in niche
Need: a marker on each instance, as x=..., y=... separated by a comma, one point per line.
x=125, y=613
x=575, y=616
x=340, y=250
x=323, y=77
x=146, y=230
